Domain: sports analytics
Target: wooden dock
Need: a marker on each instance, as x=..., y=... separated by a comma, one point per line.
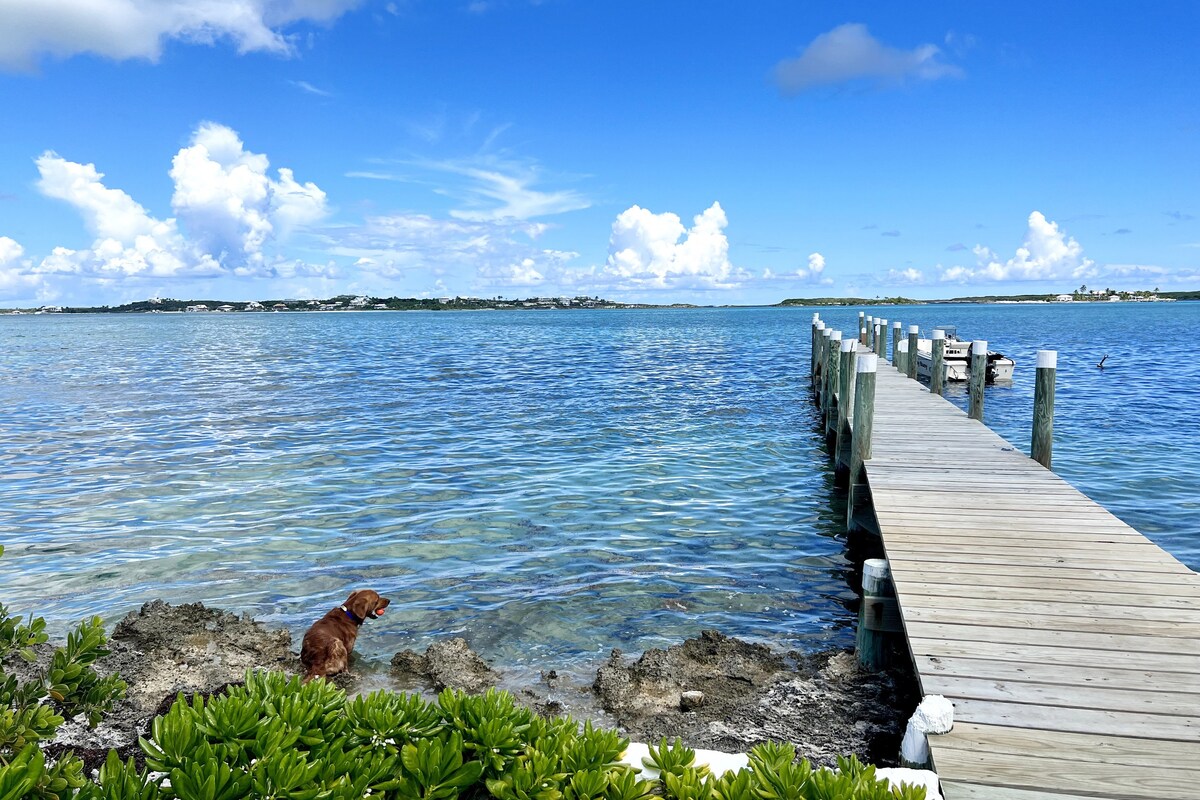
x=1067, y=641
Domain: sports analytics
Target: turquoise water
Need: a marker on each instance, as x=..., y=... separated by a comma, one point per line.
x=550, y=485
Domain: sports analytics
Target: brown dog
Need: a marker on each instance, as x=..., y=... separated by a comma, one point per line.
x=327, y=644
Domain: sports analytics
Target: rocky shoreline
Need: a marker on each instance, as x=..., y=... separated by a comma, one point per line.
x=713, y=691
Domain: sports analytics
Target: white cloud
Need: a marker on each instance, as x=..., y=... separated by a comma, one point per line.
x=17, y=279
x=909, y=275
x=228, y=203
x=305, y=86
x=499, y=189
x=124, y=29
x=1046, y=254
x=655, y=251
x=230, y=207
x=128, y=240
x=849, y=52
x=10, y=251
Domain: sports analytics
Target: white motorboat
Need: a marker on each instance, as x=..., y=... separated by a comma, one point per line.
x=957, y=355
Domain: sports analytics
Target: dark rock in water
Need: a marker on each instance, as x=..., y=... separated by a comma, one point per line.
x=823, y=703
x=450, y=664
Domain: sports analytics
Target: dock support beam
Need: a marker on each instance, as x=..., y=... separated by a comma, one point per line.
x=978, y=378
x=902, y=356
x=895, y=340
x=846, y=371
x=833, y=387
x=878, y=616
x=1043, y=407
x=881, y=339
x=937, y=372
x=914, y=331
x=860, y=444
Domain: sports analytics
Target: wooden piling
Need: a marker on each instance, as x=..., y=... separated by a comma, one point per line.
x=812, y=364
x=1042, y=444
x=914, y=331
x=902, y=356
x=895, y=339
x=818, y=334
x=878, y=616
x=845, y=407
x=862, y=326
x=826, y=389
x=978, y=378
x=881, y=330
x=937, y=372
x=832, y=384
x=860, y=444
x=869, y=342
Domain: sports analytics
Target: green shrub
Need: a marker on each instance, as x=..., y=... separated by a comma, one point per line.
x=275, y=737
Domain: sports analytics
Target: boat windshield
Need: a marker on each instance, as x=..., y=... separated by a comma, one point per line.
x=951, y=330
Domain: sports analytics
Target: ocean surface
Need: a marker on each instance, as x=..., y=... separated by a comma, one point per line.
x=549, y=485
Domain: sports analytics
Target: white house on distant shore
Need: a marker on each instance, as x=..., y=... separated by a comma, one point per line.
x=1064, y=298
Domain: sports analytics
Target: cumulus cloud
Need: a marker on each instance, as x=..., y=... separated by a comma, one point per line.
x=1047, y=253
x=655, y=251
x=849, y=53
x=17, y=278
x=125, y=29
x=909, y=275
x=228, y=205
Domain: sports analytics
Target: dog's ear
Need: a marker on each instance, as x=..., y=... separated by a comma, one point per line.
x=362, y=603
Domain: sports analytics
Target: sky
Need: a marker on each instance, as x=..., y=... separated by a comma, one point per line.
x=659, y=152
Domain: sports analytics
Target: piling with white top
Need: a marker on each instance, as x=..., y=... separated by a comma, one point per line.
x=978, y=378
x=860, y=445
x=881, y=339
x=914, y=331
x=937, y=373
x=818, y=334
x=1043, y=407
x=870, y=329
x=812, y=364
x=895, y=339
x=825, y=396
x=862, y=326
x=902, y=356
x=878, y=616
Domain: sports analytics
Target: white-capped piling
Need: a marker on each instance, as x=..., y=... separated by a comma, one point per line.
x=902, y=356
x=860, y=445
x=818, y=337
x=881, y=330
x=812, y=364
x=937, y=372
x=914, y=331
x=895, y=339
x=845, y=406
x=862, y=326
x=978, y=378
x=870, y=329
x=1042, y=444
x=878, y=616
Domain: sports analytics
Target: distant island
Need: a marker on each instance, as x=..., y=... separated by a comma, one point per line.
x=346, y=302
x=1080, y=295
x=343, y=302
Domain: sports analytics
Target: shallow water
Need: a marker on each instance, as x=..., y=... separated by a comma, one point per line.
x=548, y=484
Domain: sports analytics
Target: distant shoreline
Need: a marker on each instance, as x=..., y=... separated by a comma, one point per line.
x=345, y=303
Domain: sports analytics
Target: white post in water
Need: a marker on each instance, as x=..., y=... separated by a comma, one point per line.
x=1043, y=407
x=978, y=378
x=902, y=356
x=881, y=339
x=862, y=326
x=895, y=339
x=869, y=342
x=877, y=616
x=818, y=337
x=860, y=444
x=937, y=372
x=913, y=332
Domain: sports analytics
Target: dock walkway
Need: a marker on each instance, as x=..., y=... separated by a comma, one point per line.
x=1067, y=641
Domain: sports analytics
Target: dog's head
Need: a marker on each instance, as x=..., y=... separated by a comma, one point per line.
x=366, y=603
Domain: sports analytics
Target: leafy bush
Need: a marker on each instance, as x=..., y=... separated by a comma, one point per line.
x=275, y=737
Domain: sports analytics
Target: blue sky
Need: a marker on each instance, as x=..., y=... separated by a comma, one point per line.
x=656, y=152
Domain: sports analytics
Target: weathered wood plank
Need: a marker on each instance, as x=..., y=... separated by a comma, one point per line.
x=1128, y=750
x=946, y=649
x=1049, y=572
x=1070, y=674
x=1009, y=605
x=1152, y=598
x=1082, y=779
x=1068, y=697
x=1120, y=643
x=958, y=790
x=1051, y=623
